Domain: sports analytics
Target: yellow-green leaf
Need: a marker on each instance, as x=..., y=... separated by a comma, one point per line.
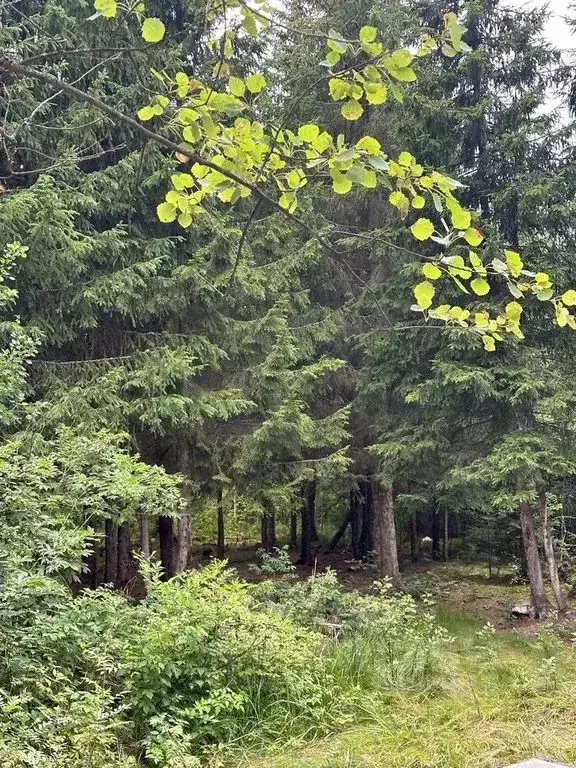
x=473, y=237
x=424, y=294
x=513, y=311
x=308, y=132
x=376, y=93
x=369, y=144
x=514, y=262
x=402, y=58
x=569, y=298
x=237, y=86
x=422, y=229
x=480, y=286
x=489, y=343
x=339, y=89
x=352, y=110
x=146, y=113
x=461, y=218
x=153, y=30
x=256, y=83
x=368, y=34
x=341, y=183
x=418, y=201
x=431, y=271
x=107, y=8
x=166, y=212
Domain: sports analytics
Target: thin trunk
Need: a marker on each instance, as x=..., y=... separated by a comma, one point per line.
x=111, y=561
x=435, y=534
x=144, y=535
x=183, y=543
x=221, y=542
x=123, y=553
x=384, y=534
x=91, y=576
x=539, y=599
x=263, y=531
x=445, y=534
x=306, y=557
x=268, y=525
x=311, y=498
x=366, y=544
x=293, y=531
x=166, y=536
x=549, y=551
x=414, y=538
x=354, y=524
x=341, y=530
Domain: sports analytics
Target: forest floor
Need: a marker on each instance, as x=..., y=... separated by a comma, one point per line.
x=497, y=702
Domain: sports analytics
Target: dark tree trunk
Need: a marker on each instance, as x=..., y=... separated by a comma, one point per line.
x=312, y=504
x=355, y=509
x=549, y=552
x=366, y=545
x=435, y=534
x=144, y=535
x=414, y=549
x=221, y=541
x=111, y=561
x=268, y=526
x=91, y=575
x=384, y=535
x=263, y=531
x=293, y=531
x=445, y=535
x=341, y=530
x=166, y=536
x=184, y=536
x=123, y=554
x=539, y=599
x=306, y=556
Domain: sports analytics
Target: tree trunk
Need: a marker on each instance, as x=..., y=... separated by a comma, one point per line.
x=354, y=524
x=549, y=551
x=539, y=599
x=268, y=525
x=366, y=544
x=263, y=531
x=293, y=531
x=311, y=497
x=111, y=560
x=341, y=530
x=144, y=535
x=414, y=550
x=221, y=541
x=435, y=534
x=384, y=534
x=183, y=543
x=306, y=557
x=91, y=576
x=166, y=536
x=445, y=534
x=123, y=554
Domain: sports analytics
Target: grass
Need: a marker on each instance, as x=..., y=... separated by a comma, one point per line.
x=502, y=698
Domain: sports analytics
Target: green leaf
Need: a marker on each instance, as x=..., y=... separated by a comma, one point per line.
x=514, y=262
x=166, y=212
x=237, y=86
x=405, y=159
x=308, y=132
x=338, y=88
x=402, y=58
x=340, y=183
x=480, y=286
x=256, y=83
x=146, y=113
x=293, y=179
x=153, y=30
x=323, y=142
x=473, y=237
x=370, y=180
x=249, y=22
x=369, y=144
x=185, y=219
x=107, y=8
x=424, y=294
x=562, y=315
x=352, y=110
x=489, y=343
x=461, y=218
x=545, y=294
x=368, y=34
x=376, y=93
x=422, y=229
x=432, y=271
x=513, y=311
x=477, y=263
x=418, y=201
x=569, y=298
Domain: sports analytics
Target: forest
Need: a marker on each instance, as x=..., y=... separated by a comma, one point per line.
x=287, y=384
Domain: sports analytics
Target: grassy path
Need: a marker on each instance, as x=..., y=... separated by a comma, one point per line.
x=501, y=698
